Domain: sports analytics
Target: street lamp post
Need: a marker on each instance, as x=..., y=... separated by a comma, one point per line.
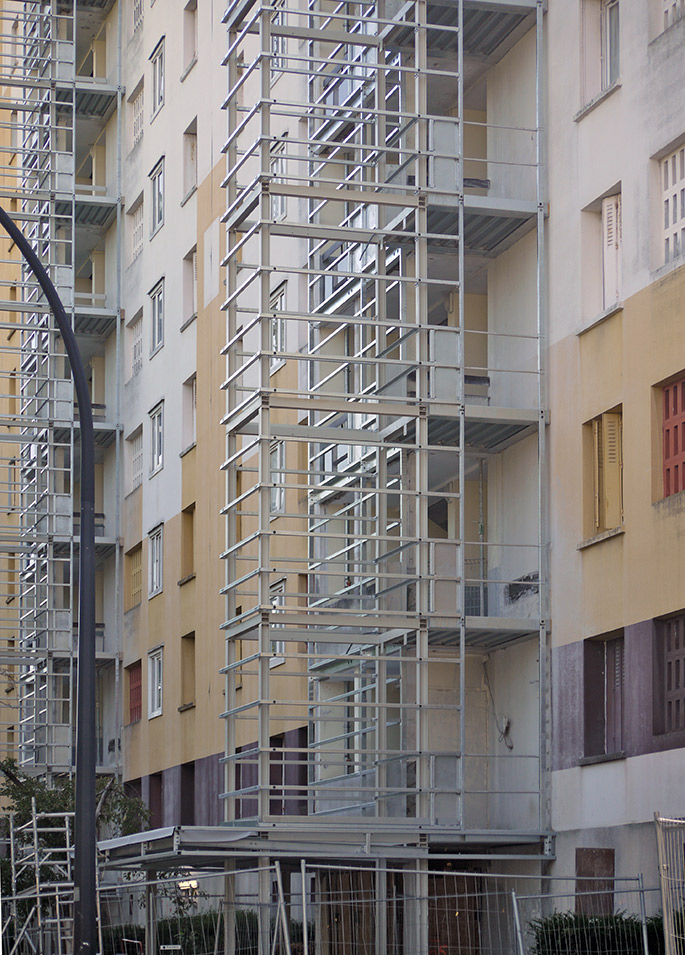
x=85, y=909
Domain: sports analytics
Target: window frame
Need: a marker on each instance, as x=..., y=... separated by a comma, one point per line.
x=157, y=61
x=604, y=688
x=611, y=42
x=672, y=192
x=278, y=170
x=157, y=304
x=157, y=205
x=672, y=437
x=136, y=345
x=137, y=230
x=607, y=470
x=155, y=682
x=135, y=572
x=277, y=599
x=137, y=458
x=156, y=417
x=156, y=561
x=138, y=115
x=277, y=304
x=277, y=474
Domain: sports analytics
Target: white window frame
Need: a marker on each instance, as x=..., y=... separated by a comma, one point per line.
x=138, y=231
x=156, y=561
x=279, y=203
x=155, y=682
x=157, y=438
x=157, y=184
x=136, y=346
x=672, y=171
x=277, y=599
x=611, y=44
x=157, y=61
x=277, y=302
x=277, y=474
x=157, y=316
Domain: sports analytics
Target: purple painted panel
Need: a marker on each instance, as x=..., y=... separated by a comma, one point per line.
x=567, y=705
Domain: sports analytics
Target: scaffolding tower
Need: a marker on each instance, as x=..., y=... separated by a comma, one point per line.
x=59, y=181
x=386, y=586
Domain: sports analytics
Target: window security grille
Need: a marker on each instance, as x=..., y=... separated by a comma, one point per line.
x=137, y=107
x=137, y=460
x=137, y=243
x=136, y=346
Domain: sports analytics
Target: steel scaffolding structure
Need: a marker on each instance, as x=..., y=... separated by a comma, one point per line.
x=57, y=99
x=385, y=561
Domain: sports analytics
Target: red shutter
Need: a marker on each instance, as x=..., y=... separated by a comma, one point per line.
x=135, y=692
x=674, y=437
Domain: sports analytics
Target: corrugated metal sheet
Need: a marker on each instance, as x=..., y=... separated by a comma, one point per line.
x=484, y=31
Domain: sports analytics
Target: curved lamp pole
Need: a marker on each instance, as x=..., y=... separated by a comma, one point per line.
x=85, y=909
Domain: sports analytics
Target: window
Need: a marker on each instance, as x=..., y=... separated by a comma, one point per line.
x=611, y=250
x=188, y=669
x=673, y=197
x=669, y=701
x=277, y=599
x=187, y=542
x=188, y=423
x=157, y=303
x=278, y=43
x=155, y=682
x=137, y=14
x=603, y=669
x=137, y=230
x=135, y=449
x=136, y=333
x=610, y=43
x=157, y=60
x=137, y=115
x=600, y=47
x=135, y=691
x=673, y=437
x=156, y=554
x=673, y=11
x=277, y=467
x=190, y=159
x=607, y=471
x=278, y=202
x=189, y=35
x=157, y=180
x=277, y=306
x=157, y=438
x=190, y=286
x=134, y=560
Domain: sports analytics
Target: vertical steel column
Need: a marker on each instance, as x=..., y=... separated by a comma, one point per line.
x=461, y=396
x=543, y=570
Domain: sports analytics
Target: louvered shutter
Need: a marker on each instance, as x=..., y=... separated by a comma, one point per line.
x=611, y=249
x=673, y=435
x=612, y=466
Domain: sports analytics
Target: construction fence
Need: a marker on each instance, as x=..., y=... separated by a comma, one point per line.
x=304, y=909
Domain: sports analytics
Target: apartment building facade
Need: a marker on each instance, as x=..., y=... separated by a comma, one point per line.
x=615, y=364
x=340, y=275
